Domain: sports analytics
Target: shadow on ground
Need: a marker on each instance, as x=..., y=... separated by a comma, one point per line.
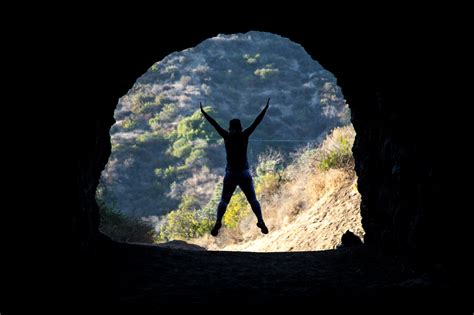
x=138, y=276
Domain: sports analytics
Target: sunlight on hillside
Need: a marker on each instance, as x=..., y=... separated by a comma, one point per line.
x=164, y=176
x=307, y=205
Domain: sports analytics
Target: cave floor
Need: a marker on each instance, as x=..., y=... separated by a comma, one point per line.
x=128, y=275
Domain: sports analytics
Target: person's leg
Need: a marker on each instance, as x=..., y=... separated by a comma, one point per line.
x=227, y=191
x=246, y=184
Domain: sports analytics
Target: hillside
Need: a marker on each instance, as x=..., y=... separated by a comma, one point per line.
x=164, y=153
x=314, y=204
x=320, y=226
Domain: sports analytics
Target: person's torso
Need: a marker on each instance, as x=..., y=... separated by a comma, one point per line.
x=236, y=149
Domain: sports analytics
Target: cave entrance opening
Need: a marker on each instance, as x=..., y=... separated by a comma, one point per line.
x=163, y=179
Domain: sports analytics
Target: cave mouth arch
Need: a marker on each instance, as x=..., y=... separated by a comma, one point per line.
x=391, y=93
x=149, y=104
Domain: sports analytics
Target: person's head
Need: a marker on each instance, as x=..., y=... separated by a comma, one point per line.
x=235, y=125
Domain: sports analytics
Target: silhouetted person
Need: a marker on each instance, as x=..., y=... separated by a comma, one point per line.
x=237, y=169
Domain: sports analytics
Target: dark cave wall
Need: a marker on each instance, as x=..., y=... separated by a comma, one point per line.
x=107, y=71
x=397, y=128
x=94, y=155
x=398, y=178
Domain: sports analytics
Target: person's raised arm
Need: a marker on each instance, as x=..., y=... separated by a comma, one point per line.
x=214, y=123
x=248, y=131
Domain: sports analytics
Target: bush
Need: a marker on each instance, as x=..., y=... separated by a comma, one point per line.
x=194, y=126
x=129, y=123
x=270, y=162
x=270, y=173
x=187, y=222
x=181, y=224
x=181, y=147
x=268, y=184
x=336, y=150
x=141, y=101
x=237, y=209
x=195, y=155
x=168, y=113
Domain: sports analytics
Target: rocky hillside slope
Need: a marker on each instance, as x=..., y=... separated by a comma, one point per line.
x=320, y=226
x=315, y=205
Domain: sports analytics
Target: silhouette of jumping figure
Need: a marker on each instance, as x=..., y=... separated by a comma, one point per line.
x=237, y=169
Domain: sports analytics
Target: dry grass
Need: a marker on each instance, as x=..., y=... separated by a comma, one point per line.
x=310, y=210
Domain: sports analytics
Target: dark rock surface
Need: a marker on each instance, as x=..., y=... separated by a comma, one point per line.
x=350, y=239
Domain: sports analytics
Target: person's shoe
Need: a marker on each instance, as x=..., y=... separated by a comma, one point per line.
x=262, y=227
x=215, y=229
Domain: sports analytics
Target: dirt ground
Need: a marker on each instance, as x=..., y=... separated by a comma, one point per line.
x=141, y=277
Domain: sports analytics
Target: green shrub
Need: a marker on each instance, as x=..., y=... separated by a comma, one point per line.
x=129, y=123
x=269, y=162
x=147, y=137
x=194, y=126
x=187, y=222
x=148, y=107
x=237, y=209
x=180, y=224
x=195, y=155
x=336, y=150
x=181, y=147
x=167, y=114
x=140, y=102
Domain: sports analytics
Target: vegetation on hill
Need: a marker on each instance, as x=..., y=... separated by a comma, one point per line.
x=285, y=190
x=166, y=157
